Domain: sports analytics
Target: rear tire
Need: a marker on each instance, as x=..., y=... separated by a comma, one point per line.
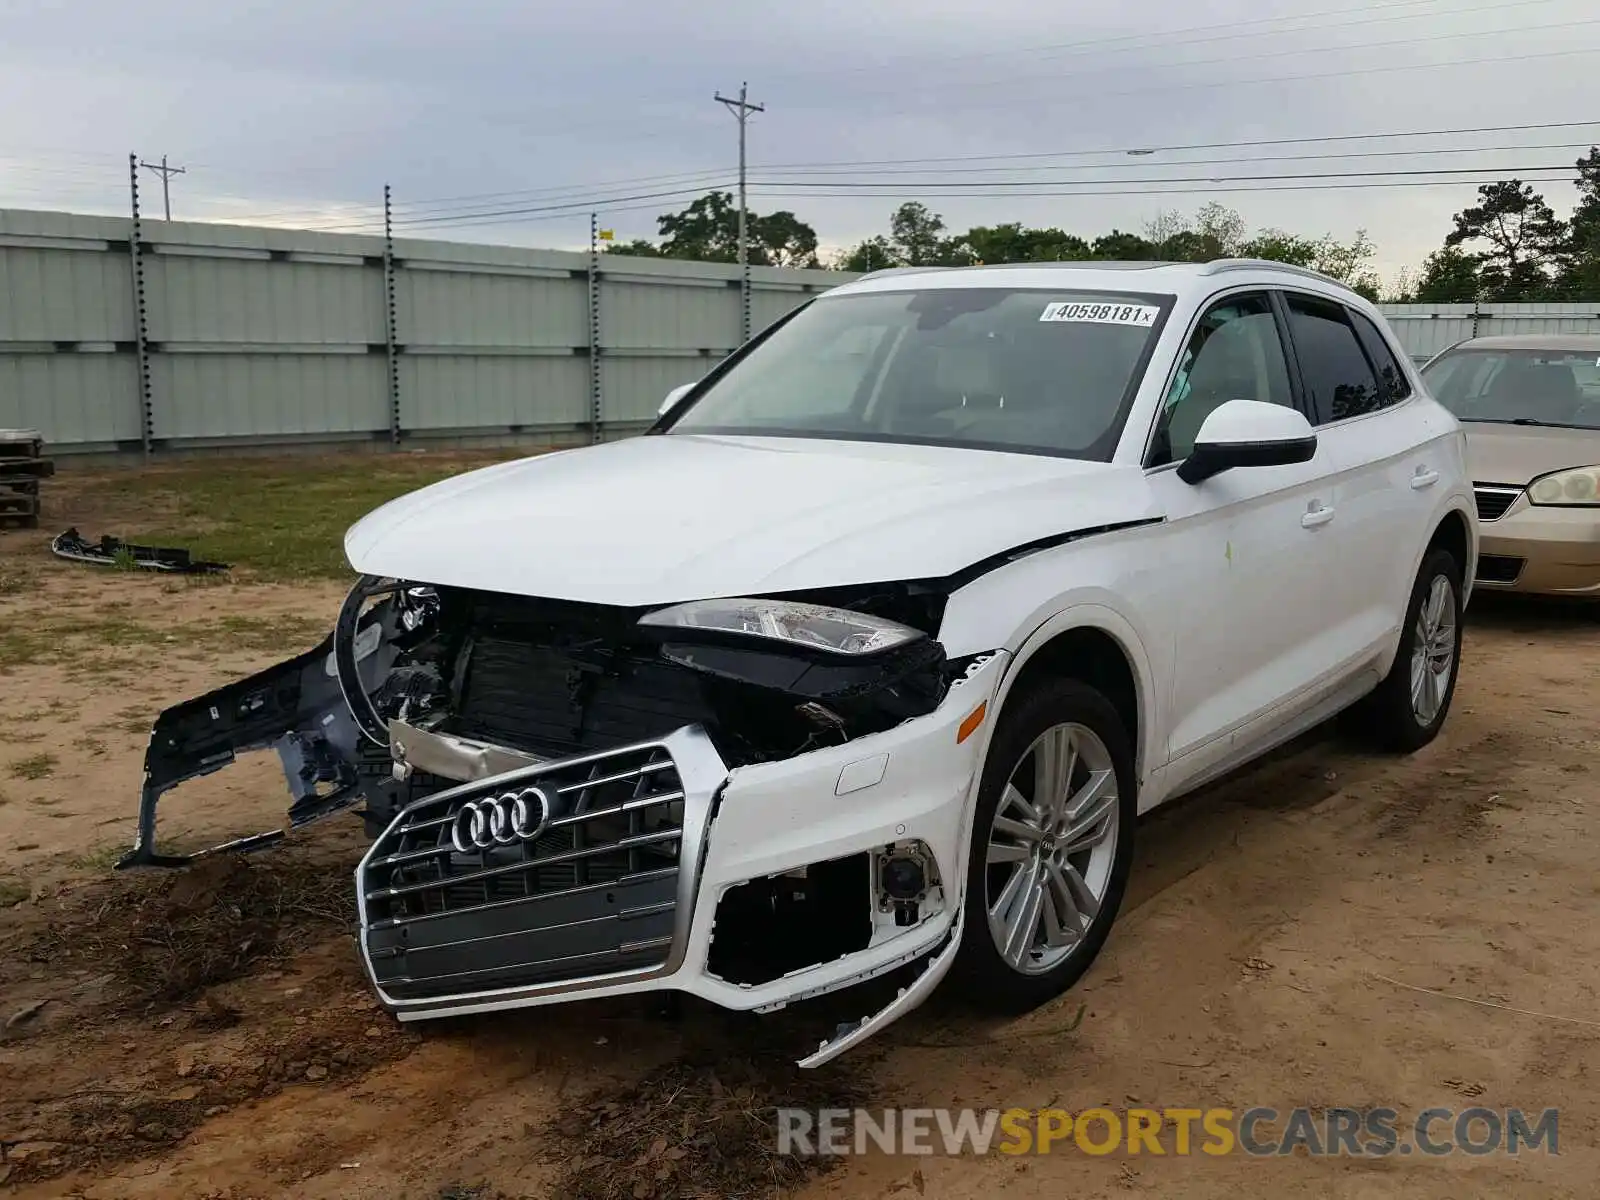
x=1052, y=847
x=1409, y=707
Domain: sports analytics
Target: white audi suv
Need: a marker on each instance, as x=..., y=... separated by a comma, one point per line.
x=868, y=656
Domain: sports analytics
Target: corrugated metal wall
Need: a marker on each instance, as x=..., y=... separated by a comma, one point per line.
x=1426, y=329
x=264, y=336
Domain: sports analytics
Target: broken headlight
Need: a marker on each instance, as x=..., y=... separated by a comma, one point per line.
x=813, y=626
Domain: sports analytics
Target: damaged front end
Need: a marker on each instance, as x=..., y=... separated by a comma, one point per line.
x=542, y=778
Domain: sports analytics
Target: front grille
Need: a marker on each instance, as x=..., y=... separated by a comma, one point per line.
x=1494, y=499
x=595, y=893
x=1499, y=568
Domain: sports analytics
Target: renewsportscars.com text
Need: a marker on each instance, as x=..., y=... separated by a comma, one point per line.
x=1258, y=1132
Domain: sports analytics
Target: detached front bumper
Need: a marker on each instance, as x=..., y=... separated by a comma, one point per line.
x=606, y=873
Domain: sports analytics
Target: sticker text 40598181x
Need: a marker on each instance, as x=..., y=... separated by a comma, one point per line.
x=1101, y=314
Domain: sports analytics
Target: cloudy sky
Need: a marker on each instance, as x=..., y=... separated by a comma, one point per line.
x=523, y=116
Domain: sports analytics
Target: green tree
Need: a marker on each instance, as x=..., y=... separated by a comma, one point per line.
x=1580, y=258
x=1277, y=245
x=874, y=254
x=708, y=231
x=1449, y=276
x=916, y=234
x=1016, y=243
x=1117, y=246
x=1520, y=236
x=638, y=248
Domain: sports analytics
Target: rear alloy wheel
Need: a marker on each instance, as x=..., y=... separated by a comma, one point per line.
x=1409, y=707
x=1051, y=848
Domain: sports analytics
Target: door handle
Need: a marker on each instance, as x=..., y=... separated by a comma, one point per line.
x=1423, y=478
x=1317, y=516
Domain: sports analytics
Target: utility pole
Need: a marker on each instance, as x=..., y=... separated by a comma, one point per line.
x=741, y=108
x=166, y=174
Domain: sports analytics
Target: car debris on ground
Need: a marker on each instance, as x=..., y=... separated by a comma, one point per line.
x=114, y=552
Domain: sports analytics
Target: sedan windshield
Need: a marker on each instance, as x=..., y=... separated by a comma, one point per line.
x=1522, y=387
x=989, y=368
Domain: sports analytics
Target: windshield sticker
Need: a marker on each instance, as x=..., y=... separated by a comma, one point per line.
x=1102, y=314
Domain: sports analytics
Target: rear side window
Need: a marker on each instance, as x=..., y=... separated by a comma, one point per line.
x=1392, y=384
x=1339, y=381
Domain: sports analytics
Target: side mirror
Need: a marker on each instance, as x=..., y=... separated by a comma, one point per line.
x=676, y=394
x=1248, y=433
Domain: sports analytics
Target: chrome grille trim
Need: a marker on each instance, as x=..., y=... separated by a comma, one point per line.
x=1493, y=499
x=443, y=931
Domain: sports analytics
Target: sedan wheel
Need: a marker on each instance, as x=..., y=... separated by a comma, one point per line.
x=1052, y=844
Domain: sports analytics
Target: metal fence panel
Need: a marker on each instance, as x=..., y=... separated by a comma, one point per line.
x=493, y=393
x=88, y=400
x=634, y=387
x=268, y=396
x=260, y=335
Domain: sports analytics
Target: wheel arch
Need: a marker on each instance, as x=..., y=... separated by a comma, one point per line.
x=1453, y=532
x=1096, y=645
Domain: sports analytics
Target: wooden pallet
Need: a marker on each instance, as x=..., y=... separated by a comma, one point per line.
x=22, y=466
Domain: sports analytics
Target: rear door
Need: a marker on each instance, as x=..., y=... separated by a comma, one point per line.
x=1385, y=458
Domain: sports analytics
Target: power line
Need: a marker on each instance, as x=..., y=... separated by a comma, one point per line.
x=1155, y=191
x=1100, y=96
x=1265, y=159
x=1101, y=43
x=442, y=205
x=800, y=186
x=1163, y=149
x=966, y=85
x=574, y=206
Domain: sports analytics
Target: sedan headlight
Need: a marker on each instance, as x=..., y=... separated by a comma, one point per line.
x=1577, y=487
x=815, y=626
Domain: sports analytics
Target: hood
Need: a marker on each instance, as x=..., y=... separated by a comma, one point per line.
x=1519, y=454
x=660, y=519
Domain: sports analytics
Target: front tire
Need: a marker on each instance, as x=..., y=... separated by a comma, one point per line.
x=1409, y=707
x=1052, y=847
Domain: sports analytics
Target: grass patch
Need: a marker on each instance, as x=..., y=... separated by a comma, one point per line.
x=99, y=860
x=278, y=519
x=16, y=579
x=35, y=766
x=68, y=638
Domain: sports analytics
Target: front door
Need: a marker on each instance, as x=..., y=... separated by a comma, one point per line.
x=1252, y=545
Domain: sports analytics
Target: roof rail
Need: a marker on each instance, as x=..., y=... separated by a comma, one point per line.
x=1218, y=265
x=885, y=272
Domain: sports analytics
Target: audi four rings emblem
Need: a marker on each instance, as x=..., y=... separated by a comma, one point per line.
x=500, y=820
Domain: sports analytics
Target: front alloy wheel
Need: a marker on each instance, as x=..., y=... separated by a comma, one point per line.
x=1051, y=846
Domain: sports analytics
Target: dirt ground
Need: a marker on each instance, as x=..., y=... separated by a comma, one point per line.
x=209, y=1033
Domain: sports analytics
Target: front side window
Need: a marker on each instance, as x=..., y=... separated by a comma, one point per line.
x=1234, y=354
x=1047, y=372
x=1532, y=387
x=1338, y=379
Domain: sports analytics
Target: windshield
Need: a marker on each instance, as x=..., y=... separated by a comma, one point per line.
x=990, y=368
x=1534, y=387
